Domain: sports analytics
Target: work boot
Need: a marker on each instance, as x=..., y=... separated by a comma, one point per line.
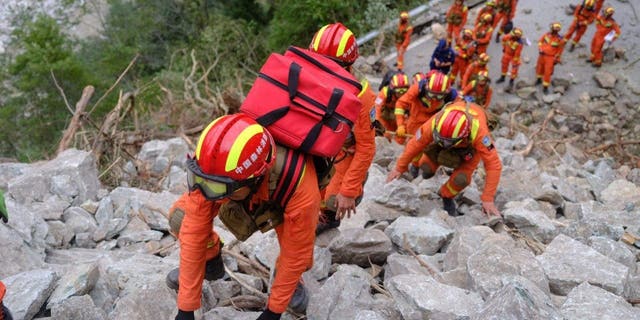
x=327, y=221
x=588, y=61
x=545, y=89
x=509, y=88
x=213, y=270
x=572, y=47
x=597, y=65
x=299, y=300
x=498, y=37
x=413, y=171
x=501, y=79
x=538, y=81
x=450, y=206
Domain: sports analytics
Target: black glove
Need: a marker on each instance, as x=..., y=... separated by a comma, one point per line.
x=185, y=315
x=269, y=315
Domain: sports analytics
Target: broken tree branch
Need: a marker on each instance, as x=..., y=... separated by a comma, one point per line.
x=133, y=61
x=64, y=97
x=76, y=122
x=405, y=246
x=525, y=152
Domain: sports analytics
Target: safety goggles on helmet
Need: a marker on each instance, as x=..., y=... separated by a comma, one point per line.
x=446, y=142
x=436, y=95
x=400, y=91
x=212, y=187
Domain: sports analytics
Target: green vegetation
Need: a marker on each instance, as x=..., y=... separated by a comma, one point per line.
x=192, y=60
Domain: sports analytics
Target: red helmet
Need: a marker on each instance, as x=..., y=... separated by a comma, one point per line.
x=399, y=83
x=404, y=16
x=336, y=41
x=437, y=86
x=451, y=127
x=232, y=152
x=609, y=11
x=483, y=58
x=467, y=33
x=417, y=77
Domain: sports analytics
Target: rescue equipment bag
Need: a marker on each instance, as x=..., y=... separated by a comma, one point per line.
x=307, y=101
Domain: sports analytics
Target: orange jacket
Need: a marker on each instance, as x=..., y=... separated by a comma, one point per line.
x=403, y=35
x=296, y=236
x=481, y=93
x=473, y=69
x=512, y=47
x=482, y=33
x=480, y=139
x=508, y=6
x=457, y=14
x=481, y=13
x=385, y=105
x=360, y=155
x=598, y=5
x=551, y=45
x=464, y=48
x=604, y=25
x=584, y=15
x=418, y=111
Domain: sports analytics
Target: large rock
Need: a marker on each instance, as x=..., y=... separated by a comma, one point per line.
x=157, y=156
x=15, y=256
x=423, y=235
x=75, y=282
x=568, y=263
x=398, y=193
x=614, y=250
x=153, y=207
x=587, y=302
x=442, y=301
x=151, y=300
x=518, y=299
x=535, y=224
x=621, y=194
x=498, y=259
x=605, y=79
x=81, y=307
x=402, y=264
x=465, y=243
x=361, y=247
x=230, y=313
x=342, y=296
x=28, y=291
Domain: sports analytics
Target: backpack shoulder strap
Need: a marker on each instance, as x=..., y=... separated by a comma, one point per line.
x=285, y=174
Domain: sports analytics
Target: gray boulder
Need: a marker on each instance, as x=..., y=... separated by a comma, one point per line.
x=81, y=307
x=588, y=302
x=424, y=235
x=28, y=291
x=360, y=247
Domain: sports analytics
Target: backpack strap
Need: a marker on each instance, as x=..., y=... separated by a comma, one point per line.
x=285, y=175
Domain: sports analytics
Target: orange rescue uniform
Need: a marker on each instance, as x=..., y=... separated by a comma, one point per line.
x=511, y=51
x=385, y=111
x=482, y=34
x=403, y=37
x=550, y=48
x=480, y=141
x=506, y=12
x=483, y=11
x=354, y=161
x=472, y=70
x=481, y=93
x=420, y=109
x=604, y=25
x=582, y=17
x=598, y=5
x=296, y=236
x=456, y=19
x=464, y=53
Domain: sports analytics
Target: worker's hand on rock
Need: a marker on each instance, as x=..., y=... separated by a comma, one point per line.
x=490, y=209
x=401, y=131
x=394, y=174
x=345, y=206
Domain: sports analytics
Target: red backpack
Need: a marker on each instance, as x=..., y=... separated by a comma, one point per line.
x=307, y=101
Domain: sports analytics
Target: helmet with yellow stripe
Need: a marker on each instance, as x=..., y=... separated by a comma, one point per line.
x=451, y=127
x=233, y=151
x=609, y=11
x=437, y=86
x=556, y=27
x=417, y=77
x=467, y=33
x=517, y=32
x=483, y=58
x=399, y=83
x=404, y=16
x=483, y=76
x=589, y=4
x=337, y=42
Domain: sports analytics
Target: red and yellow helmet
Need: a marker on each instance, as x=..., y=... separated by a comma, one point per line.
x=487, y=17
x=589, y=4
x=467, y=33
x=417, y=77
x=490, y=3
x=483, y=58
x=399, y=83
x=517, y=32
x=404, y=16
x=337, y=42
x=450, y=128
x=609, y=11
x=437, y=86
x=556, y=26
x=483, y=75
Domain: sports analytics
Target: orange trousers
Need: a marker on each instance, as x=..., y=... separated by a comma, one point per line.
x=506, y=61
x=459, y=67
x=459, y=179
x=500, y=17
x=481, y=48
x=596, y=49
x=453, y=31
x=544, y=68
x=578, y=29
x=400, y=59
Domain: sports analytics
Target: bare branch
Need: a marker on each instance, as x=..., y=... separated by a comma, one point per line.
x=76, y=122
x=64, y=97
x=133, y=61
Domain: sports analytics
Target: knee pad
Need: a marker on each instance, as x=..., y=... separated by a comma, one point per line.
x=460, y=180
x=427, y=172
x=175, y=221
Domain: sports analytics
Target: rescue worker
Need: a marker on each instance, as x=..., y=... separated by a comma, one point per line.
x=505, y=14
x=583, y=16
x=482, y=33
x=403, y=38
x=417, y=77
x=481, y=64
x=512, y=45
x=550, y=48
x=456, y=19
x=489, y=7
x=605, y=24
x=344, y=191
x=5, y=314
x=443, y=57
x=479, y=90
x=386, y=102
x=456, y=137
x=422, y=101
x=599, y=4
x=465, y=49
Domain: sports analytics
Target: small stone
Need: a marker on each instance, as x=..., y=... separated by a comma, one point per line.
x=527, y=11
x=605, y=79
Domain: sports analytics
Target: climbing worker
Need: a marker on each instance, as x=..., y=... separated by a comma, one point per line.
x=422, y=101
x=506, y=13
x=482, y=33
x=489, y=7
x=403, y=38
x=5, y=314
x=465, y=49
x=443, y=57
x=456, y=19
x=481, y=64
x=479, y=90
x=599, y=4
x=345, y=188
x=456, y=137
x=386, y=102
x=512, y=45
x=550, y=48
x=607, y=30
x=583, y=16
